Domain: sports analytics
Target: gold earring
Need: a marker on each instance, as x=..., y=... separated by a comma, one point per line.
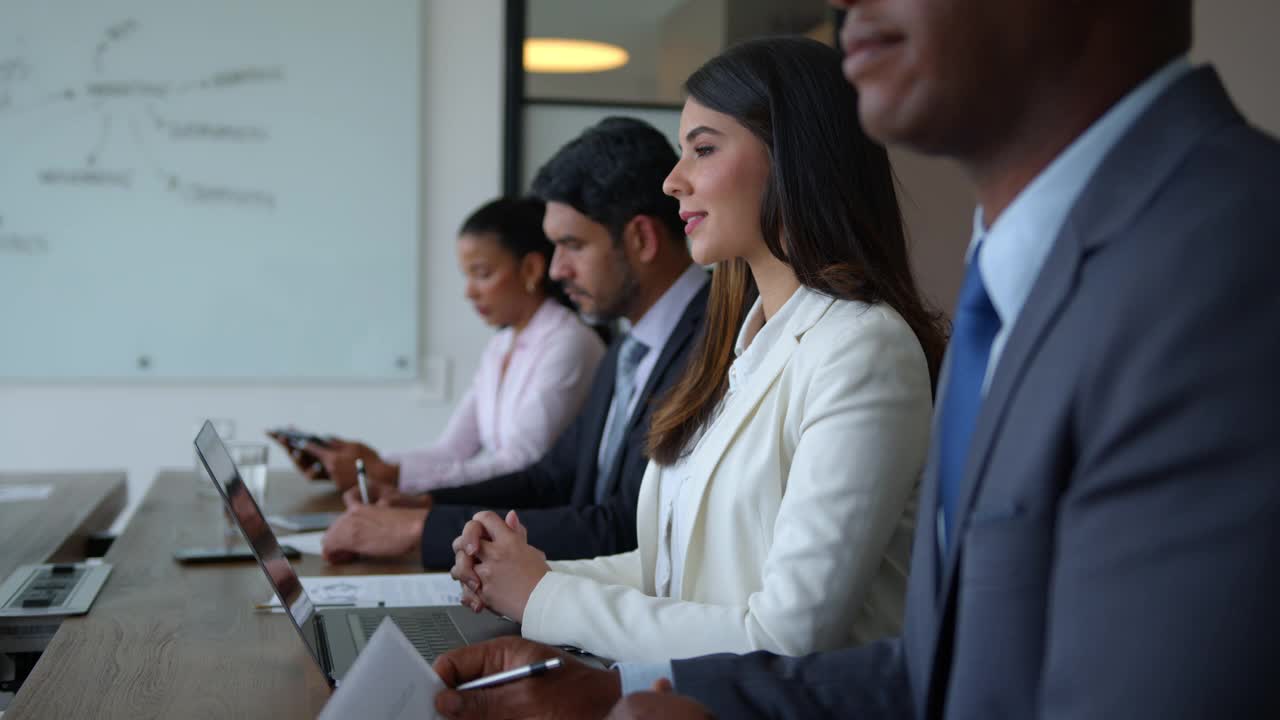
x=530, y=286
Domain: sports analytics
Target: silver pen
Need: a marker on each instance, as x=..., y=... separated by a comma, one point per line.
x=364, y=483
x=511, y=675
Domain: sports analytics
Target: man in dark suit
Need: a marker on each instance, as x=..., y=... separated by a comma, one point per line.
x=620, y=253
x=1098, y=534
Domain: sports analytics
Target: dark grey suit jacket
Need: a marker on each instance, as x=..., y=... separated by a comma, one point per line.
x=556, y=495
x=1118, y=551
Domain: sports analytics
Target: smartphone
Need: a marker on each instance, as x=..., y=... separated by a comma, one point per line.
x=297, y=438
x=222, y=554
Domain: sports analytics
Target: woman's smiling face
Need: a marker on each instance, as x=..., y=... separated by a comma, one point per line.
x=720, y=182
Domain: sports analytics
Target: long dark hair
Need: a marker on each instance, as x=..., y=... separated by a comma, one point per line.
x=516, y=222
x=830, y=211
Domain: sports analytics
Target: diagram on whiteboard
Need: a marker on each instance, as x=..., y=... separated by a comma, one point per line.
x=194, y=190
x=139, y=112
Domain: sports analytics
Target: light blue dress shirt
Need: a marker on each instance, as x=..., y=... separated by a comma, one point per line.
x=1016, y=245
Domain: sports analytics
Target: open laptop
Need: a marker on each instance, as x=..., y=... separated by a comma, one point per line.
x=334, y=636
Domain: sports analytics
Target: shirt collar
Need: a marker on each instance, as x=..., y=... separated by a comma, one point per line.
x=659, y=321
x=797, y=310
x=1015, y=246
x=765, y=333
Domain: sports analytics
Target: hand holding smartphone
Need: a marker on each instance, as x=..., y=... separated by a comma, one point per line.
x=296, y=441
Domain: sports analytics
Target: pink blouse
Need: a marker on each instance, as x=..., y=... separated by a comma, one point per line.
x=506, y=423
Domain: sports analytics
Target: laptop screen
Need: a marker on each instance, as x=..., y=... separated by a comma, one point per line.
x=240, y=503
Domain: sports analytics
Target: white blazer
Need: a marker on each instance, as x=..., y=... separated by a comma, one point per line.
x=801, y=541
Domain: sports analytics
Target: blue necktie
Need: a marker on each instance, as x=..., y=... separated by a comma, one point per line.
x=976, y=324
x=624, y=386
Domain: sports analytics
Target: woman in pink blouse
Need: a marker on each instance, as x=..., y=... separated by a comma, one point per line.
x=533, y=376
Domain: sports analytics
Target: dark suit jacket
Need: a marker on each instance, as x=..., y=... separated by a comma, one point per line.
x=1118, y=548
x=556, y=496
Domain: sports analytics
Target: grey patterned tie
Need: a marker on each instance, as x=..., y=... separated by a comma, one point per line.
x=624, y=385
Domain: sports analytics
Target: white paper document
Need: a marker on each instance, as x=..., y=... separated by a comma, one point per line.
x=380, y=590
x=388, y=681
x=24, y=493
x=307, y=542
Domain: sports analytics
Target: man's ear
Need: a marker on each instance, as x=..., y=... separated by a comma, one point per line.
x=642, y=238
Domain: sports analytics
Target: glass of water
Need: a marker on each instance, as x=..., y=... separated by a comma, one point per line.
x=251, y=460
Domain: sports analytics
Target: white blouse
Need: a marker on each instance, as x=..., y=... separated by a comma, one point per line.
x=509, y=420
x=675, y=510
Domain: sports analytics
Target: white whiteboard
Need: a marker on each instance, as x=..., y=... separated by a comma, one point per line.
x=194, y=190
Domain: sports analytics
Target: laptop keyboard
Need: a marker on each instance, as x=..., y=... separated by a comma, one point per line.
x=432, y=634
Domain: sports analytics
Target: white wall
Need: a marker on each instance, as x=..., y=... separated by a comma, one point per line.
x=141, y=428
x=1239, y=38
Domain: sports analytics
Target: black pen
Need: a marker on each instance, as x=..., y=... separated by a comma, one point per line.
x=511, y=675
x=364, y=483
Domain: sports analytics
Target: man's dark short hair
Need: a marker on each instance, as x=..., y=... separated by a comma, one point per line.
x=613, y=172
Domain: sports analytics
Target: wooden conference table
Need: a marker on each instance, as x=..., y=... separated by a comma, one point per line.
x=58, y=528
x=171, y=640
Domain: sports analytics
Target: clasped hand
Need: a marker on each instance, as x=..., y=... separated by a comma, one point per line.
x=496, y=565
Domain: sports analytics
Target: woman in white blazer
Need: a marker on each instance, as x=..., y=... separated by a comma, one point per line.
x=777, y=511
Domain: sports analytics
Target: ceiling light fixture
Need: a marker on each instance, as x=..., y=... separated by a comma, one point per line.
x=562, y=55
